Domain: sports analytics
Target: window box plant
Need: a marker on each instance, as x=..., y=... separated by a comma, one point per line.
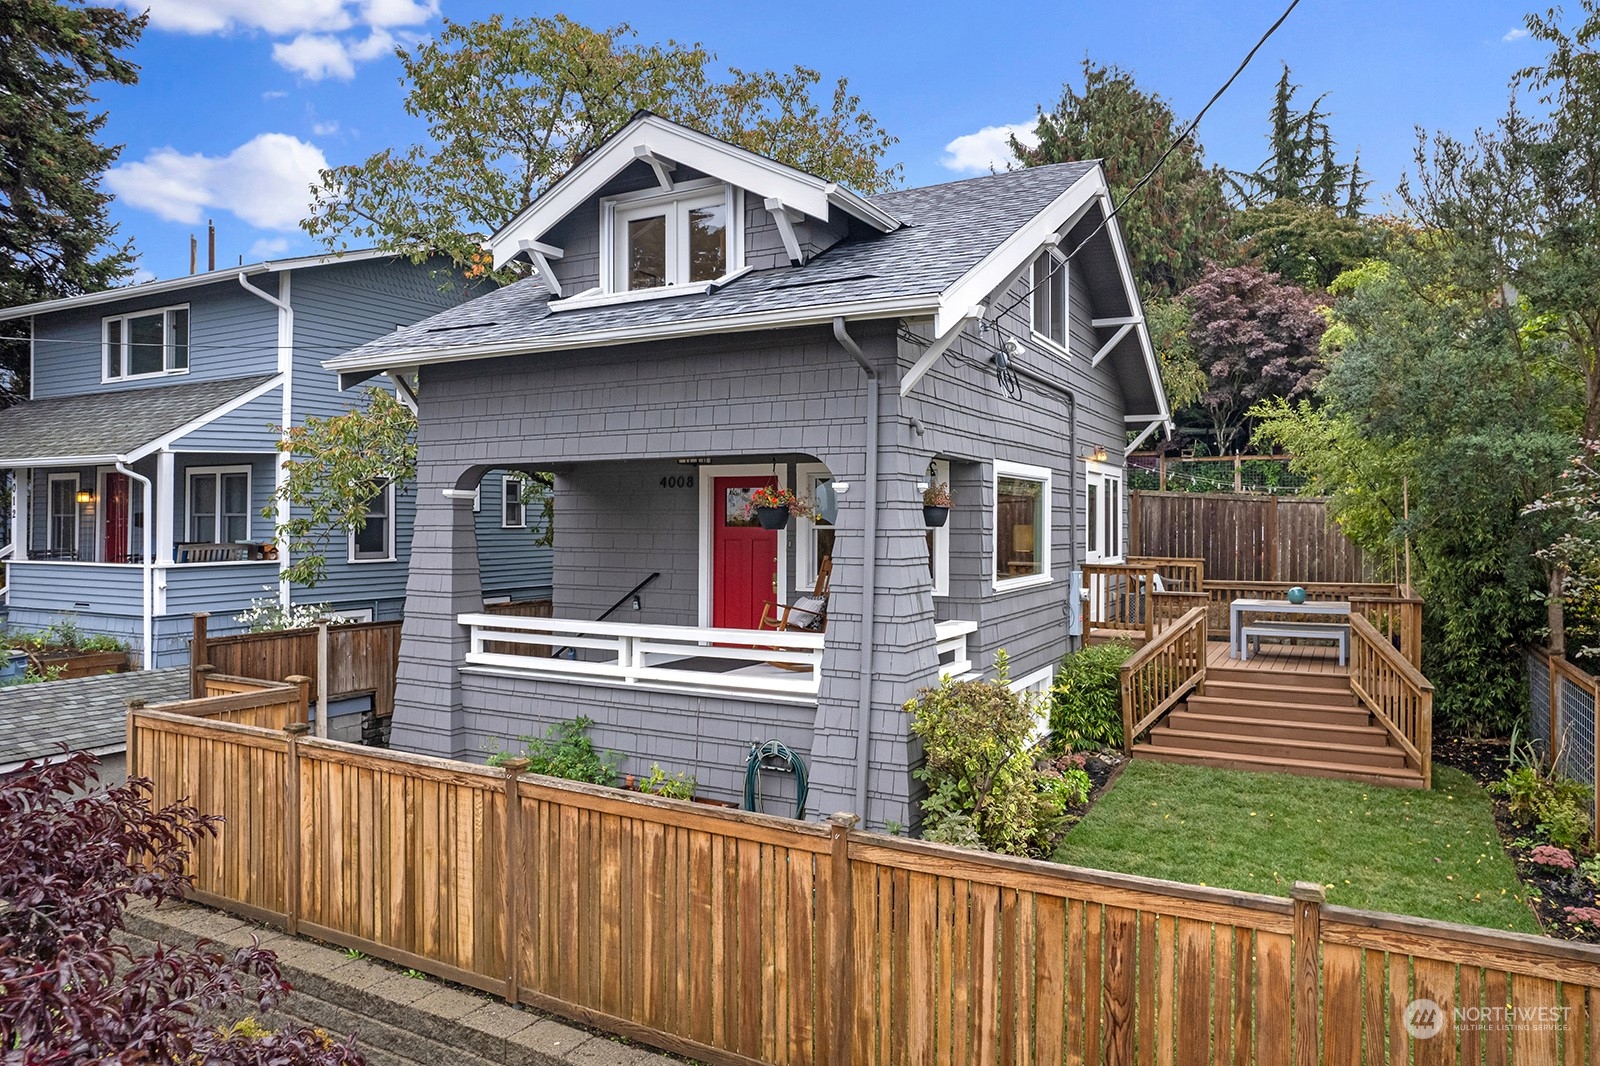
x=936, y=504
x=63, y=651
x=771, y=506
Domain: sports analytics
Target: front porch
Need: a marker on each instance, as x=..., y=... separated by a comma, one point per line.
x=1191, y=694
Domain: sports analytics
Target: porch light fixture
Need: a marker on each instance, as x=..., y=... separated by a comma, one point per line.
x=841, y=487
x=1099, y=455
x=85, y=496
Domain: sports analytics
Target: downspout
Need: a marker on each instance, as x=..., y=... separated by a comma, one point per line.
x=286, y=371
x=147, y=553
x=869, y=566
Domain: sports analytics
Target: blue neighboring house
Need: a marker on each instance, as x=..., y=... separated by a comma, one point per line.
x=146, y=455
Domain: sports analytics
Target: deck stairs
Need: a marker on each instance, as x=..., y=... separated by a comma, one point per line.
x=1255, y=717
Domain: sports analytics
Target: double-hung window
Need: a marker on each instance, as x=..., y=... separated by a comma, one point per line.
x=146, y=344
x=661, y=241
x=373, y=540
x=513, y=508
x=219, y=505
x=1021, y=525
x=1049, y=287
x=61, y=530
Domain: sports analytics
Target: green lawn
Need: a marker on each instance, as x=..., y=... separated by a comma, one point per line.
x=1433, y=854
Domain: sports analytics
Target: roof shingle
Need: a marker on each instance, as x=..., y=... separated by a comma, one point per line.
x=86, y=713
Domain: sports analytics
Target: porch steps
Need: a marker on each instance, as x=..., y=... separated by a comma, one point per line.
x=1282, y=722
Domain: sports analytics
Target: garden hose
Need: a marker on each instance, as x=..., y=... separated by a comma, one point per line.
x=776, y=756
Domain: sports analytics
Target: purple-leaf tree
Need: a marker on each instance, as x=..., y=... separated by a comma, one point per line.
x=1256, y=337
x=72, y=856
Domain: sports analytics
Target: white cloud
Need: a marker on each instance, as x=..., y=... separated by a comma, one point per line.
x=274, y=94
x=988, y=149
x=317, y=55
x=264, y=182
x=324, y=38
x=267, y=247
x=325, y=129
x=1515, y=35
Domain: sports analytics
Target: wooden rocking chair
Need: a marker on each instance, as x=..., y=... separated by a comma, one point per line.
x=807, y=614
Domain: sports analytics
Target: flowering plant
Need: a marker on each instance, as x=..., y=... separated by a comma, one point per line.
x=936, y=495
x=1552, y=857
x=773, y=496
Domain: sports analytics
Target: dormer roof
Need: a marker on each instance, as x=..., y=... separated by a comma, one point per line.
x=660, y=141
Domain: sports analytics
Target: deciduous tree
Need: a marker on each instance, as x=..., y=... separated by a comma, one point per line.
x=511, y=105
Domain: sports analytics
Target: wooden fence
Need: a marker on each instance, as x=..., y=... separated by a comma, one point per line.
x=1564, y=717
x=1248, y=538
x=362, y=658
x=741, y=939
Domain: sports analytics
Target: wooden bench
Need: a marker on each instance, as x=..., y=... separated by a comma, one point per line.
x=201, y=552
x=1334, y=631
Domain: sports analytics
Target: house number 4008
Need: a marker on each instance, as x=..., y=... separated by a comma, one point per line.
x=680, y=481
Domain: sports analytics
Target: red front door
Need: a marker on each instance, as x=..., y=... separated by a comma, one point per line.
x=114, y=535
x=744, y=557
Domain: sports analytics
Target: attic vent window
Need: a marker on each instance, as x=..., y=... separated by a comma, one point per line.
x=659, y=241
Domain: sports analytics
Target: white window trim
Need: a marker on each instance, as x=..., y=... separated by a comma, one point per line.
x=49, y=515
x=640, y=202
x=1097, y=473
x=805, y=541
x=1041, y=537
x=1044, y=340
x=706, y=487
x=216, y=472
x=166, y=345
x=941, y=538
x=389, y=552
x=510, y=483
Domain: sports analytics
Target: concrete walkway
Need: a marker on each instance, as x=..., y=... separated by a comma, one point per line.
x=397, y=1020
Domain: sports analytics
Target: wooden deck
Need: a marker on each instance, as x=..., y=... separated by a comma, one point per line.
x=1279, y=659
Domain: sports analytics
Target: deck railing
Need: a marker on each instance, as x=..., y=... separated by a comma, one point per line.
x=620, y=653
x=1396, y=693
x=1121, y=599
x=1162, y=672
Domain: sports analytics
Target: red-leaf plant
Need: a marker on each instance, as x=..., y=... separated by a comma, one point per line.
x=72, y=855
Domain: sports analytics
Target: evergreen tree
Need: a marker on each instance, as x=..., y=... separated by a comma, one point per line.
x=55, y=238
x=1178, y=221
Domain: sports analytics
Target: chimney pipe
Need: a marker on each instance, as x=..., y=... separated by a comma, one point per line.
x=194, y=254
x=211, y=245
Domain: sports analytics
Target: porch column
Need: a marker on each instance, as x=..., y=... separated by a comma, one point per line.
x=21, y=502
x=166, y=498
x=442, y=583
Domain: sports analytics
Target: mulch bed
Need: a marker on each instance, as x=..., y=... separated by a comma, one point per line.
x=1551, y=892
x=1102, y=768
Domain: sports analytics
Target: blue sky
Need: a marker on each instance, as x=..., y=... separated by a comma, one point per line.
x=240, y=101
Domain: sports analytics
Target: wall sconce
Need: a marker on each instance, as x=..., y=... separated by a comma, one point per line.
x=841, y=487
x=1099, y=455
x=637, y=604
x=85, y=496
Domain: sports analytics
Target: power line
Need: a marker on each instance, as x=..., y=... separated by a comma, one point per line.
x=1170, y=148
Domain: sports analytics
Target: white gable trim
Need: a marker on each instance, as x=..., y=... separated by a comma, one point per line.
x=656, y=140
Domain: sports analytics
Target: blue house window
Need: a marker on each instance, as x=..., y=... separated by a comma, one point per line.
x=146, y=344
x=219, y=505
x=373, y=540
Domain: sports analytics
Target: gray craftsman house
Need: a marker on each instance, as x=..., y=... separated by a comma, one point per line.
x=702, y=322
x=145, y=459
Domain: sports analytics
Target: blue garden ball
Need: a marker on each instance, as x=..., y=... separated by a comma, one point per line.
x=1297, y=595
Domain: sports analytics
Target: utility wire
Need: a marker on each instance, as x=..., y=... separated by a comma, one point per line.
x=1171, y=147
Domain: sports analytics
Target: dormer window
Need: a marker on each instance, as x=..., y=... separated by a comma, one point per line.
x=660, y=240
x=146, y=344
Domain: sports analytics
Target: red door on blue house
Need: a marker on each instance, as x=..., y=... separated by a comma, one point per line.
x=114, y=546
x=744, y=557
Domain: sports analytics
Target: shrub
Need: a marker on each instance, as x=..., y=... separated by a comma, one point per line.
x=565, y=751
x=63, y=634
x=1086, y=700
x=1552, y=857
x=267, y=614
x=985, y=789
x=1555, y=807
x=71, y=858
x=674, y=786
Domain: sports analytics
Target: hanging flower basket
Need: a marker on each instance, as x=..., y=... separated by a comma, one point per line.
x=936, y=505
x=771, y=506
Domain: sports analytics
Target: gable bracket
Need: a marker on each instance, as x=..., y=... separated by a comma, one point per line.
x=1155, y=424
x=1105, y=349
x=662, y=167
x=541, y=254
x=1126, y=320
x=786, y=217
x=936, y=349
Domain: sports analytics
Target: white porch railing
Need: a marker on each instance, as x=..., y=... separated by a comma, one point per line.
x=674, y=656
x=951, y=638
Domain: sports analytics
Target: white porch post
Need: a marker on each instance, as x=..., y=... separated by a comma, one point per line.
x=21, y=505
x=166, y=490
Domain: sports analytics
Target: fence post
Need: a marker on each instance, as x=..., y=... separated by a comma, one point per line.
x=1307, y=949
x=292, y=823
x=322, y=677
x=1162, y=484
x=513, y=907
x=198, y=656
x=1272, y=540
x=841, y=933
x=1552, y=672
x=303, y=682
x=129, y=757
